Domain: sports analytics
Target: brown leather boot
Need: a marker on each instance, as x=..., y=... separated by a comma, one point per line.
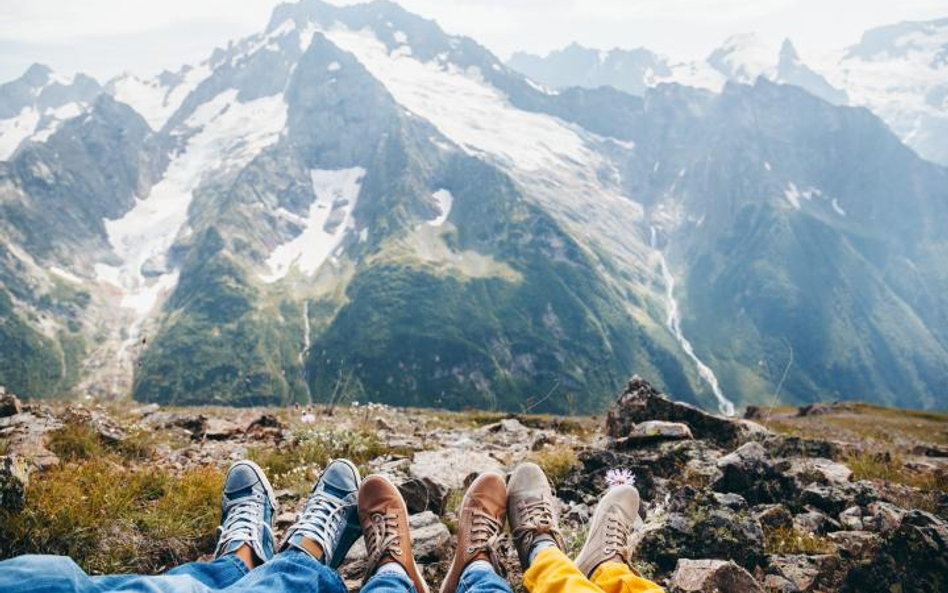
x=480, y=525
x=384, y=519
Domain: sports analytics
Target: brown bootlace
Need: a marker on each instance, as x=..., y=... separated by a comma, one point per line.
x=537, y=520
x=617, y=536
x=486, y=533
x=381, y=539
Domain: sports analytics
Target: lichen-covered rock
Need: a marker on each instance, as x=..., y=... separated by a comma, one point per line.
x=14, y=477
x=750, y=472
x=819, y=470
x=912, y=559
x=698, y=526
x=712, y=576
x=806, y=574
x=424, y=494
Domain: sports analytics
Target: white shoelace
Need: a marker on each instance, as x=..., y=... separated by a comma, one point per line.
x=321, y=521
x=243, y=521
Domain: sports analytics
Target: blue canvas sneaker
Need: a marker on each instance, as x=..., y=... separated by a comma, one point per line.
x=247, y=508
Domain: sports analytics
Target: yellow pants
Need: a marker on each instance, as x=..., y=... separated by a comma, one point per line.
x=553, y=572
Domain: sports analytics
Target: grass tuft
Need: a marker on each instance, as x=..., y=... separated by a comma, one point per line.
x=76, y=441
x=556, y=461
x=787, y=540
x=112, y=519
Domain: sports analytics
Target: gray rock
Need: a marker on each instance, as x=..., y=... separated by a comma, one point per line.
x=750, y=472
x=653, y=431
x=449, y=466
x=640, y=402
x=14, y=478
x=9, y=404
x=855, y=545
x=820, y=470
x=814, y=521
x=712, y=576
x=851, y=519
x=807, y=573
x=773, y=516
x=883, y=516
x=913, y=558
x=424, y=494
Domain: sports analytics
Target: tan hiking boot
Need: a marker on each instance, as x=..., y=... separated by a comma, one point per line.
x=609, y=531
x=531, y=510
x=384, y=519
x=480, y=526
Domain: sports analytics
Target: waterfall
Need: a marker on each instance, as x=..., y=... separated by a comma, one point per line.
x=307, y=341
x=673, y=321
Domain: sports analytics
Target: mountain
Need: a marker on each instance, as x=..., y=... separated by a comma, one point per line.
x=33, y=106
x=898, y=71
x=353, y=204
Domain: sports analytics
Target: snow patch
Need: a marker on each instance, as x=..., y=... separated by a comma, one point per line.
x=14, y=130
x=328, y=222
x=229, y=135
x=794, y=195
x=334, y=67
x=839, y=209
x=444, y=201
x=154, y=101
x=400, y=36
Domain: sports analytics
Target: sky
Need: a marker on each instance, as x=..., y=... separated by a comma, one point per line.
x=107, y=37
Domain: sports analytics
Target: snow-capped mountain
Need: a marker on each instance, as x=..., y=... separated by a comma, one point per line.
x=353, y=201
x=33, y=106
x=899, y=72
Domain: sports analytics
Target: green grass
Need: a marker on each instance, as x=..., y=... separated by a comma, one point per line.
x=109, y=518
x=556, y=461
x=76, y=441
x=297, y=465
x=787, y=540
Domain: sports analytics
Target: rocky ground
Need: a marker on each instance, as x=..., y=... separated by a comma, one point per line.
x=832, y=497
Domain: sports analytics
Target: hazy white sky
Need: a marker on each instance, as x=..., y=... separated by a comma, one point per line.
x=106, y=37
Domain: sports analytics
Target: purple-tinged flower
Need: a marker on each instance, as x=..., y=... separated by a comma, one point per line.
x=619, y=477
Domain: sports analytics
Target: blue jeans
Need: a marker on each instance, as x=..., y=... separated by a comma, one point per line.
x=292, y=571
x=473, y=580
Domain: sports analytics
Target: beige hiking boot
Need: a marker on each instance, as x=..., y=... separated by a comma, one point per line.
x=480, y=526
x=384, y=519
x=609, y=531
x=531, y=510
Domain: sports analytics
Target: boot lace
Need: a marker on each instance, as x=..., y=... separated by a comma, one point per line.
x=537, y=520
x=617, y=536
x=486, y=533
x=381, y=539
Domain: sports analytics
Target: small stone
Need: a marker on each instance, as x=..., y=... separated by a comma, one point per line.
x=883, y=516
x=858, y=545
x=712, y=576
x=808, y=573
x=284, y=520
x=851, y=519
x=813, y=521
x=773, y=516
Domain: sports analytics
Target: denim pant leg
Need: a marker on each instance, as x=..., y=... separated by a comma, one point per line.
x=482, y=580
x=389, y=582
x=59, y=574
x=292, y=571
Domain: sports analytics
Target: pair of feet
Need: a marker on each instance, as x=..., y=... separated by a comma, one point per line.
x=342, y=506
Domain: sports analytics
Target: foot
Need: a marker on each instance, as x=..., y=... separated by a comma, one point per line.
x=480, y=525
x=531, y=511
x=329, y=523
x=247, y=508
x=384, y=519
x=612, y=523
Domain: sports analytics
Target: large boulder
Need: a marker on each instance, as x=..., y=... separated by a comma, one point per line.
x=712, y=576
x=640, y=402
x=912, y=559
x=450, y=466
x=654, y=431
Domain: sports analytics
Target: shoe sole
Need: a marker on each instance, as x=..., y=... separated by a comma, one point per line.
x=263, y=478
x=404, y=507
